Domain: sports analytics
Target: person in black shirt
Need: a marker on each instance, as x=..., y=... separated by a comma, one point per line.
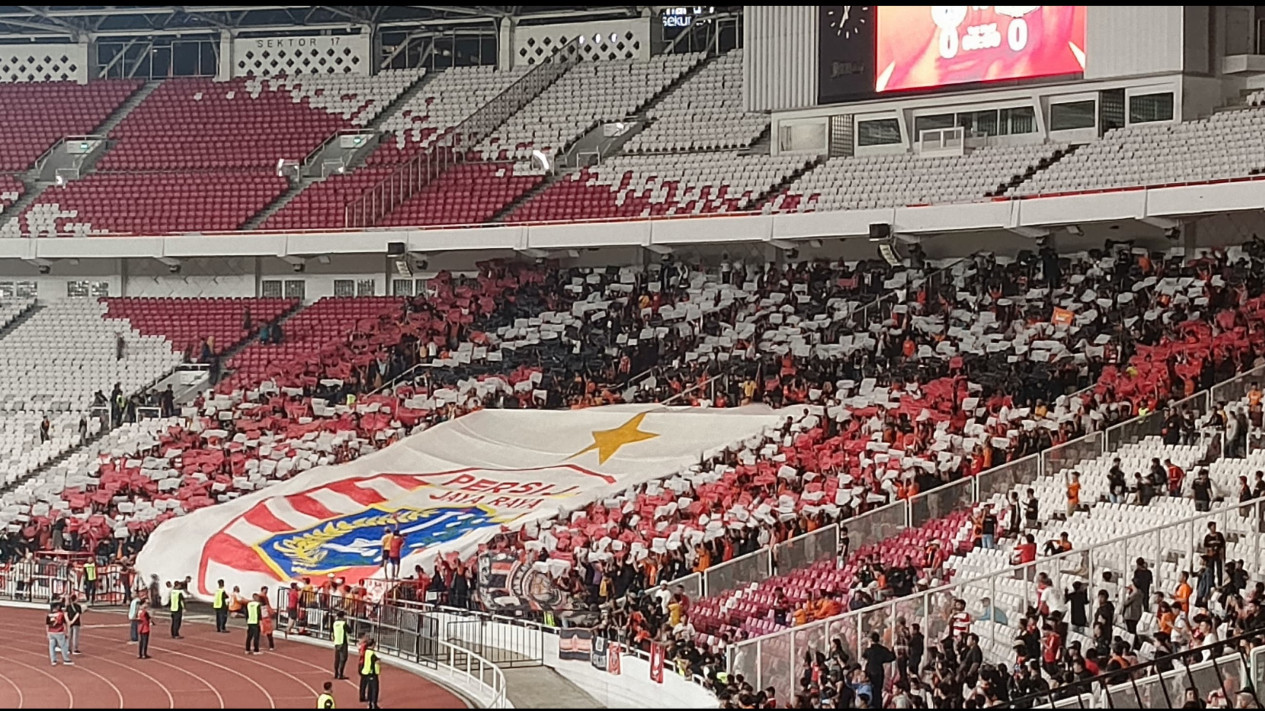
x=1202, y=488
x=1142, y=579
x=1106, y=612
x=876, y=658
x=1078, y=600
x=1116, y=482
x=1214, y=550
x=1030, y=510
x=1015, y=513
x=988, y=530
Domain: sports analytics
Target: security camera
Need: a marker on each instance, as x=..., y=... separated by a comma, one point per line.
x=792, y=254
x=300, y=267
x=44, y=269
x=174, y=268
x=422, y=263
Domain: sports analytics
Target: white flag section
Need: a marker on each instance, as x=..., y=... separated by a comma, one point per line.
x=449, y=488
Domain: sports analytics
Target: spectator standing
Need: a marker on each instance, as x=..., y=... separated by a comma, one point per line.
x=55, y=624
x=74, y=618
x=143, y=624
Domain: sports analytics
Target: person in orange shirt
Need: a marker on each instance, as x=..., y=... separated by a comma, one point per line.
x=1182, y=593
x=704, y=559
x=800, y=616
x=1073, y=493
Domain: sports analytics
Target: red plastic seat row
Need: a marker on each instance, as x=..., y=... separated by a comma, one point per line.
x=36, y=116
x=187, y=322
x=468, y=193
x=199, y=123
x=153, y=204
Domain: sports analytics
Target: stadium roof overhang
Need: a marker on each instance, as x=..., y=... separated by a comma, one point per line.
x=77, y=23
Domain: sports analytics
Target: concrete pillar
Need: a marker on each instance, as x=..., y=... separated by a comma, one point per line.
x=228, y=62
x=89, y=70
x=505, y=45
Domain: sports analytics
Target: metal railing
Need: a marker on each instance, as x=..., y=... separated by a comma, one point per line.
x=1163, y=683
x=412, y=635
x=452, y=147
x=964, y=493
x=777, y=659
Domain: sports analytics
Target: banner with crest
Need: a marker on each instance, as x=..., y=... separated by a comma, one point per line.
x=445, y=491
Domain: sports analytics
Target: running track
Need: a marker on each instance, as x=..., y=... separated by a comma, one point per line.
x=203, y=670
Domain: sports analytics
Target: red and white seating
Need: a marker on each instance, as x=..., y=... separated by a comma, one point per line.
x=149, y=203
x=587, y=95
x=185, y=323
x=37, y=115
x=193, y=124
x=308, y=336
x=51, y=363
x=11, y=189
x=652, y=186
x=899, y=180
x=355, y=98
x=703, y=113
x=447, y=99
x=466, y=194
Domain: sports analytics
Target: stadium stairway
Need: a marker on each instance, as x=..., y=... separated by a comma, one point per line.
x=774, y=190
x=305, y=181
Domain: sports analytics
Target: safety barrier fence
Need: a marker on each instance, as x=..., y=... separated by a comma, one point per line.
x=1225, y=668
x=996, y=599
x=410, y=634
x=46, y=578
x=873, y=527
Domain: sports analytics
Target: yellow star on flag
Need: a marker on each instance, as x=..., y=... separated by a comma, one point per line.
x=608, y=442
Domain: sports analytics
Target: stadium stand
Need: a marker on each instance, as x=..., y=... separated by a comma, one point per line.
x=466, y=194
x=150, y=203
x=703, y=113
x=10, y=190
x=44, y=378
x=905, y=179
x=38, y=115
x=1223, y=146
x=585, y=96
x=187, y=324
x=661, y=185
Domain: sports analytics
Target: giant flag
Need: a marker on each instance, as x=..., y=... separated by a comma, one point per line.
x=449, y=488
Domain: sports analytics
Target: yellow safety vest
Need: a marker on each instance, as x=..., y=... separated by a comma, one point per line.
x=252, y=612
x=340, y=632
x=176, y=598
x=325, y=701
x=221, y=596
x=90, y=571
x=371, y=663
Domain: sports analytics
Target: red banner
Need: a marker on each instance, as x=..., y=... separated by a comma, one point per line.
x=656, y=663
x=612, y=659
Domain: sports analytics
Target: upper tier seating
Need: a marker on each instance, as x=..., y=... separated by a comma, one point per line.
x=10, y=190
x=588, y=94
x=899, y=180
x=703, y=113
x=323, y=204
x=354, y=98
x=466, y=194
x=447, y=99
x=325, y=325
x=37, y=115
x=652, y=186
x=149, y=203
x=192, y=124
x=51, y=363
x=185, y=323
x=1230, y=144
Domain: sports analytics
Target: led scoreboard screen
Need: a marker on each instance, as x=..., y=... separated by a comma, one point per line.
x=923, y=46
x=872, y=50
